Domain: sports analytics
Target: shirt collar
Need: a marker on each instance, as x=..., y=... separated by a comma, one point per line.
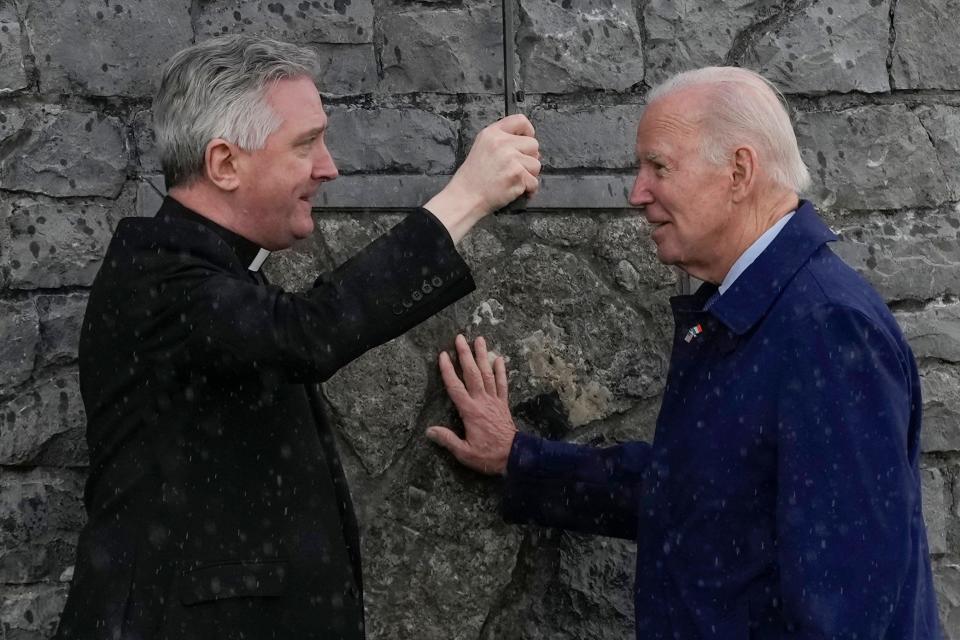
x=760, y=284
x=250, y=253
x=752, y=252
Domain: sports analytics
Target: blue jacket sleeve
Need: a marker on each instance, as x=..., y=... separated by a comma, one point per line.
x=575, y=487
x=848, y=498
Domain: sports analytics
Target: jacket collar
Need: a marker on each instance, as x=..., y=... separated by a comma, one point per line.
x=250, y=253
x=752, y=294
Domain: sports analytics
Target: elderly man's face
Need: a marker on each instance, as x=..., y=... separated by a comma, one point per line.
x=279, y=181
x=685, y=197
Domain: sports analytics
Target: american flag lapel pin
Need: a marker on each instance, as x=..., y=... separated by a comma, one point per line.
x=694, y=331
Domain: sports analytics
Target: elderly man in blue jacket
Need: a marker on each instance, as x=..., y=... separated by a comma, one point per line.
x=780, y=497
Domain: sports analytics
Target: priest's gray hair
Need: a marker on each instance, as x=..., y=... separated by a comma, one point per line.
x=744, y=108
x=217, y=89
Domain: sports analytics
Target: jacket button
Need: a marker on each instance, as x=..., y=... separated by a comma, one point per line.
x=436, y=281
x=417, y=296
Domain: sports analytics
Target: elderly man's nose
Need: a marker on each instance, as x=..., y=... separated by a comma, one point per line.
x=324, y=168
x=640, y=194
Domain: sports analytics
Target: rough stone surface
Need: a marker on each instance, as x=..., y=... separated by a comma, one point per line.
x=568, y=587
x=435, y=538
x=11, y=124
x=910, y=256
x=20, y=328
x=145, y=142
x=700, y=33
x=448, y=50
x=580, y=44
x=946, y=581
x=123, y=44
x=871, y=158
x=406, y=140
x=55, y=244
x=327, y=21
x=933, y=332
x=569, y=291
x=379, y=422
x=594, y=138
x=346, y=69
x=828, y=46
x=936, y=508
x=60, y=319
x=68, y=153
x=31, y=613
x=941, y=408
x=943, y=126
x=13, y=77
x=42, y=511
x=35, y=420
x=926, y=53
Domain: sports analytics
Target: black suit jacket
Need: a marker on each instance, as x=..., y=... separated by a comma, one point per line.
x=216, y=508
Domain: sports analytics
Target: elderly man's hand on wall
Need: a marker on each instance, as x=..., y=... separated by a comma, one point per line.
x=481, y=400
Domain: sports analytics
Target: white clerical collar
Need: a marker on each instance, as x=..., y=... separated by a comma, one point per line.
x=258, y=260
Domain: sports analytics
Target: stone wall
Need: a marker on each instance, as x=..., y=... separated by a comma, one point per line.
x=569, y=291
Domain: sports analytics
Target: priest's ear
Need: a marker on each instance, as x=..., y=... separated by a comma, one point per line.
x=221, y=164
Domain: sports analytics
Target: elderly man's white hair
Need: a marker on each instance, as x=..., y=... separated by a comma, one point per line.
x=744, y=108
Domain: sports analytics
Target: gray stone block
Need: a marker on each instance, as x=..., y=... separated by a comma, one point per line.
x=877, y=157
x=933, y=332
x=20, y=328
x=908, y=256
x=587, y=138
x=946, y=582
x=941, y=408
x=410, y=140
x=942, y=124
x=151, y=191
x=146, y=142
x=926, y=53
x=444, y=50
x=436, y=537
x=43, y=514
x=599, y=362
x=624, y=244
x=699, y=33
x=371, y=397
x=398, y=192
x=34, y=420
x=936, y=507
x=580, y=44
x=61, y=317
x=13, y=76
x=326, y=21
x=109, y=48
x=12, y=121
x=31, y=612
x=346, y=69
x=55, y=244
x=67, y=153
x=827, y=47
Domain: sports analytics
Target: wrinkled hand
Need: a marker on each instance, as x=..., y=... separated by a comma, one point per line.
x=481, y=400
x=503, y=164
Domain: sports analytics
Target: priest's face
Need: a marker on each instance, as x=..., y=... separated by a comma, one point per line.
x=278, y=182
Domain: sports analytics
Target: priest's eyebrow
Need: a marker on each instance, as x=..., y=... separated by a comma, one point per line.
x=311, y=134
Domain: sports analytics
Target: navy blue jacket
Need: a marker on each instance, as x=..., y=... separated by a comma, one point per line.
x=780, y=497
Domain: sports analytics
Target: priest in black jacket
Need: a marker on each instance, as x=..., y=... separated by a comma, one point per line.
x=216, y=502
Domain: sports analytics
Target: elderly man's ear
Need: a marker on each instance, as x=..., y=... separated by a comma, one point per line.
x=744, y=173
x=221, y=163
